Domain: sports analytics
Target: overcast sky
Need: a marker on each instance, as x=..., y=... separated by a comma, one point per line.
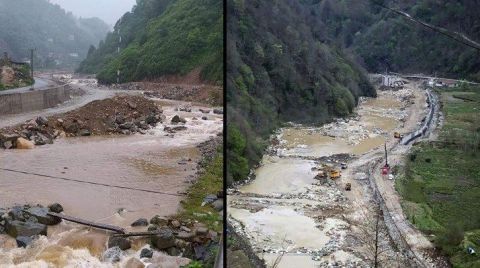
x=108, y=10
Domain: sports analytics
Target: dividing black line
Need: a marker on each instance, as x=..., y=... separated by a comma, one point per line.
x=89, y=182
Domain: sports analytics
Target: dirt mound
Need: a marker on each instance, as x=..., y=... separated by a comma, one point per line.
x=109, y=116
x=118, y=115
x=206, y=94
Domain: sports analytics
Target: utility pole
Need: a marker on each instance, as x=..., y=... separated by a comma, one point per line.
x=31, y=62
x=118, y=49
x=31, y=67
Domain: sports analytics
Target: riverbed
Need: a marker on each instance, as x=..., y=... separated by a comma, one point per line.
x=286, y=213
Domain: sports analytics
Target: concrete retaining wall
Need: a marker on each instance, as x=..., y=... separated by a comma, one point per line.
x=33, y=100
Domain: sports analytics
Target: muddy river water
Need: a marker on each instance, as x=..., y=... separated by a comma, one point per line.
x=281, y=209
x=155, y=162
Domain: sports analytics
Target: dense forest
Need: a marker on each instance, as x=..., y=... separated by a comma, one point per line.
x=384, y=40
x=282, y=67
x=61, y=40
x=162, y=37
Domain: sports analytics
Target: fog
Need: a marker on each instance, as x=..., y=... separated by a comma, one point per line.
x=107, y=10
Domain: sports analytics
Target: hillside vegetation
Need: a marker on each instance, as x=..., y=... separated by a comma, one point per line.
x=60, y=39
x=383, y=40
x=282, y=66
x=160, y=38
x=442, y=179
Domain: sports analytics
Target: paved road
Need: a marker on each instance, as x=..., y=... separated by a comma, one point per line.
x=92, y=93
x=40, y=84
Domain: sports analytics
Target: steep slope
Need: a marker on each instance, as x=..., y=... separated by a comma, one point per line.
x=159, y=38
x=282, y=67
x=60, y=39
x=384, y=40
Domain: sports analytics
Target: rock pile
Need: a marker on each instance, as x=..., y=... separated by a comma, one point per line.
x=119, y=115
x=173, y=236
x=25, y=223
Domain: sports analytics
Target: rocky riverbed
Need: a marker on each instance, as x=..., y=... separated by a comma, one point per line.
x=289, y=211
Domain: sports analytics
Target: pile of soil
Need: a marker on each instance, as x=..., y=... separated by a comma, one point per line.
x=118, y=115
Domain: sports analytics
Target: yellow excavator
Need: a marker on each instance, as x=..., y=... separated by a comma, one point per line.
x=397, y=135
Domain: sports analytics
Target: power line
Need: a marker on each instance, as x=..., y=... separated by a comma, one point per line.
x=459, y=37
x=90, y=182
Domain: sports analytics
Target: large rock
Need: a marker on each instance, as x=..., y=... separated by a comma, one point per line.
x=146, y=253
x=159, y=220
x=42, y=121
x=24, y=144
x=119, y=242
x=140, y=222
x=18, y=228
x=55, y=207
x=177, y=119
x=164, y=239
x=23, y=241
x=17, y=213
x=134, y=263
x=41, y=214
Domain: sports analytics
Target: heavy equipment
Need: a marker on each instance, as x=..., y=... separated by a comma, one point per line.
x=348, y=187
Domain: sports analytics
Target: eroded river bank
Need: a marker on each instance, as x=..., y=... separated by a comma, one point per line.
x=291, y=214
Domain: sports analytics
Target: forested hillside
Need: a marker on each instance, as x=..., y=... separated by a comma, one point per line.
x=60, y=39
x=282, y=66
x=384, y=40
x=162, y=37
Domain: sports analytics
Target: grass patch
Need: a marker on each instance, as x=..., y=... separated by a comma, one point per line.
x=441, y=184
x=211, y=182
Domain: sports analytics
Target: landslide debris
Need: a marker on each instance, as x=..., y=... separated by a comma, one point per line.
x=118, y=115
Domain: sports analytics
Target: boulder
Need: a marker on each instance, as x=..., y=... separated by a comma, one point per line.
x=41, y=214
x=23, y=241
x=140, y=222
x=186, y=236
x=152, y=228
x=205, y=111
x=112, y=255
x=126, y=125
x=41, y=139
x=7, y=145
x=146, y=253
x=55, y=207
x=119, y=242
x=24, y=144
x=159, y=220
x=201, y=231
x=218, y=111
x=218, y=204
x=177, y=119
x=134, y=263
x=17, y=213
x=84, y=133
x=71, y=127
x=18, y=228
x=173, y=251
x=42, y=121
x=204, y=118
x=176, y=224
x=164, y=239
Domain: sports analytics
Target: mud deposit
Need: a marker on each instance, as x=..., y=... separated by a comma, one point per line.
x=159, y=161
x=290, y=213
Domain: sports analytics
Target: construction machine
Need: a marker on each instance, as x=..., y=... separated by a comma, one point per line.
x=397, y=135
x=348, y=187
